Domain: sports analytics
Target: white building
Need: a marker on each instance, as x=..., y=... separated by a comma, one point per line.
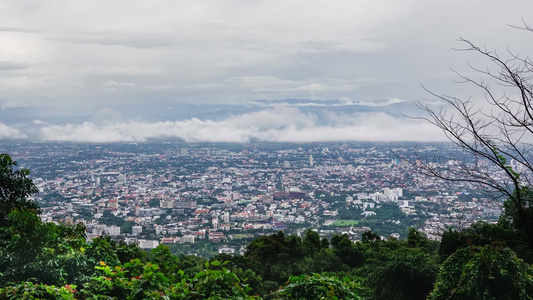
x=121, y=178
x=187, y=239
x=136, y=229
x=148, y=244
x=166, y=203
x=112, y=230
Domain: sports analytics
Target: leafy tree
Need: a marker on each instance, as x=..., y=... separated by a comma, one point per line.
x=311, y=243
x=30, y=290
x=126, y=227
x=481, y=234
x=191, y=264
x=50, y=253
x=417, y=239
x=489, y=272
x=318, y=287
x=404, y=274
x=15, y=188
x=137, y=280
x=324, y=243
x=102, y=249
x=327, y=260
x=167, y=262
x=346, y=251
x=369, y=236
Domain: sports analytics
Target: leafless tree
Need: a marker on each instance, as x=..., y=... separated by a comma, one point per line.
x=498, y=131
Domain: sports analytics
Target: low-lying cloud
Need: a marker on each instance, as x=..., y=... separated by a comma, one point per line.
x=278, y=124
x=7, y=132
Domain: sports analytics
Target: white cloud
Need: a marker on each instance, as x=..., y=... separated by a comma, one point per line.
x=279, y=124
x=7, y=132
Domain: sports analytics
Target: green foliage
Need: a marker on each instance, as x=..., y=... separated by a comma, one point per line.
x=388, y=212
x=417, y=239
x=136, y=280
x=276, y=254
x=217, y=284
x=48, y=252
x=102, y=249
x=489, y=272
x=316, y=286
x=481, y=234
x=518, y=213
x=15, y=188
x=167, y=262
x=346, y=251
x=327, y=260
x=405, y=274
x=29, y=290
x=369, y=236
x=311, y=243
x=126, y=253
x=109, y=219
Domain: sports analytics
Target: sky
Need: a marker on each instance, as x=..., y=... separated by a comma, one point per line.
x=241, y=71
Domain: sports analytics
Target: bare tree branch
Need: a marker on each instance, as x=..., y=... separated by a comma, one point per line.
x=498, y=131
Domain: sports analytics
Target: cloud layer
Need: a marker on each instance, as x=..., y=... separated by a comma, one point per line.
x=103, y=68
x=7, y=132
x=280, y=124
x=174, y=52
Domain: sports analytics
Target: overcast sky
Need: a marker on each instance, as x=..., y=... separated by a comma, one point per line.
x=103, y=71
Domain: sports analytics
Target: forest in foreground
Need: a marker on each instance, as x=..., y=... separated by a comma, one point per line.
x=55, y=261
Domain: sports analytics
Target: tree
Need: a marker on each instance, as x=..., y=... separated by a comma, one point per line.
x=15, y=188
x=489, y=272
x=481, y=234
x=318, y=286
x=311, y=243
x=404, y=274
x=497, y=132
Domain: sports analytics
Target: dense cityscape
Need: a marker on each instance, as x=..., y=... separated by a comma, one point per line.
x=206, y=199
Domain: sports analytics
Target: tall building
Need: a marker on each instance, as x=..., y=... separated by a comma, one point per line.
x=122, y=178
x=214, y=221
x=136, y=229
x=225, y=217
x=286, y=164
x=311, y=161
x=112, y=230
x=184, y=152
x=398, y=192
x=166, y=203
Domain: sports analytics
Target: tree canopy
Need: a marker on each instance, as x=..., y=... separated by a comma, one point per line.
x=15, y=188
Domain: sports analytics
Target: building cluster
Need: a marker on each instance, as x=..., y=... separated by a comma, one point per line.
x=225, y=194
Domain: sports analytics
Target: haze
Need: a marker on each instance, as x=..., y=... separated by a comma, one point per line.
x=302, y=71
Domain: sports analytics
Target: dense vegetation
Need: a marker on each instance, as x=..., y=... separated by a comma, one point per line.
x=50, y=261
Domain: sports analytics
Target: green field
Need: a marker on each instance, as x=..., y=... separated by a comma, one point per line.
x=345, y=223
x=240, y=236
